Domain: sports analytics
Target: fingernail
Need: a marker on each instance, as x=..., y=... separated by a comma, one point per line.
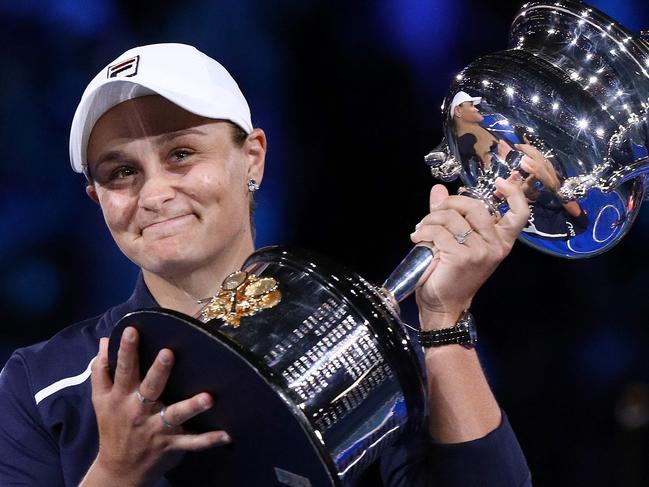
x=164, y=358
x=225, y=438
x=206, y=402
x=129, y=334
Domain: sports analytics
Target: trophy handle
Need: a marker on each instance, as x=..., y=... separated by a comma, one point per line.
x=404, y=278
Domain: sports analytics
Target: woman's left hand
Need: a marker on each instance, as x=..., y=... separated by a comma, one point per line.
x=539, y=168
x=459, y=269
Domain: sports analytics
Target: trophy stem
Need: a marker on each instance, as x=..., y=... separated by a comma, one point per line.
x=403, y=280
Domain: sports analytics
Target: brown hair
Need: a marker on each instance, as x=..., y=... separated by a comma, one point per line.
x=239, y=137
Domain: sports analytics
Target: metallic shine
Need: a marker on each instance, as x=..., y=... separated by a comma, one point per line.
x=574, y=83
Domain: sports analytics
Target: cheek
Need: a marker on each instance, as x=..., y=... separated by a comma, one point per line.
x=223, y=185
x=117, y=211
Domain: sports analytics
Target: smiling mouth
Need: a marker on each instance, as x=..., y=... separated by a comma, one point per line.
x=168, y=226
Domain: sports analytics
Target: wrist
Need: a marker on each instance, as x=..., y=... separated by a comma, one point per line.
x=101, y=475
x=435, y=320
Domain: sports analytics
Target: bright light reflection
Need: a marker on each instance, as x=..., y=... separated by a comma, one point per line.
x=581, y=22
x=582, y=124
x=509, y=90
x=589, y=56
x=458, y=77
x=535, y=99
x=574, y=75
x=600, y=131
x=592, y=79
x=555, y=106
x=485, y=82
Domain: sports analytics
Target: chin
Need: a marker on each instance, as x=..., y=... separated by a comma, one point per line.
x=171, y=267
x=171, y=260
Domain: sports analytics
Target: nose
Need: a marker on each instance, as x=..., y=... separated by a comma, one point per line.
x=156, y=190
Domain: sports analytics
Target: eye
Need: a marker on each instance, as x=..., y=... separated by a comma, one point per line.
x=179, y=155
x=121, y=172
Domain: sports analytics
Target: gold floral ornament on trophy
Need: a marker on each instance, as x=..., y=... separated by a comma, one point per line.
x=241, y=294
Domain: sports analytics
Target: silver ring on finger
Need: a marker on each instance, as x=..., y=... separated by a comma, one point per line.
x=461, y=237
x=164, y=420
x=142, y=399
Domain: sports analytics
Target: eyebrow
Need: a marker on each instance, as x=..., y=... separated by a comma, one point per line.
x=181, y=133
x=117, y=155
x=110, y=156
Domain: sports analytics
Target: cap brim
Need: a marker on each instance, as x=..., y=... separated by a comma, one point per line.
x=113, y=92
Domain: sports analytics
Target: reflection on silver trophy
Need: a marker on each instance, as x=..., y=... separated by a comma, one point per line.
x=566, y=105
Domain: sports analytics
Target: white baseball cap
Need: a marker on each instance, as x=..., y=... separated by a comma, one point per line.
x=459, y=98
x=178, y=72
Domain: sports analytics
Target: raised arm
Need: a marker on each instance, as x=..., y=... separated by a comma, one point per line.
x=469, y=441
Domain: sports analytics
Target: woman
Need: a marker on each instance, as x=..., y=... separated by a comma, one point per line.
x=172, y=159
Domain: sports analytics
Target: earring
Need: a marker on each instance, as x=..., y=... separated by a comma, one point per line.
x=252, y=185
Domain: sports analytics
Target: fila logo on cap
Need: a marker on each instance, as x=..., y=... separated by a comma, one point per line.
x=124, y=69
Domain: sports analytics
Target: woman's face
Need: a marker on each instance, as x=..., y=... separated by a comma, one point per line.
x=172, y=185
x=468, y=112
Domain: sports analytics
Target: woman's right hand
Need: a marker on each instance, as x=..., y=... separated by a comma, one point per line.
x=139, y=438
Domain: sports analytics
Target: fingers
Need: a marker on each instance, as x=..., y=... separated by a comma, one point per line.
x=127, y=370
x=515, y=219
x=526, y=149
x=200, y=441
x=176, y=414
x=450, y=219
x=473, y=211
x=100, y=376
x=503, y=148
x=529, y=165
x=156, y=377
x=439, y=235
x=531, y=152
x=438, y=193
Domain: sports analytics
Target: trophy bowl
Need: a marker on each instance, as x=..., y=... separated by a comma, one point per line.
x=313, y=382
x=575, y=85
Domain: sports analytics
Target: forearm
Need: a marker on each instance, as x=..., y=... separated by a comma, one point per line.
x=462, y=406
x=572, y=208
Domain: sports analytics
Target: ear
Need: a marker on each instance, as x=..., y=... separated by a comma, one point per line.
x=255, y=150
x=92, y=192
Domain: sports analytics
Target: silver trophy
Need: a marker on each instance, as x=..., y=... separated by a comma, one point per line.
x=575, y=85
x=313, y=370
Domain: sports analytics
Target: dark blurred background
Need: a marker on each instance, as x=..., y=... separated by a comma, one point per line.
x=349, y=94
